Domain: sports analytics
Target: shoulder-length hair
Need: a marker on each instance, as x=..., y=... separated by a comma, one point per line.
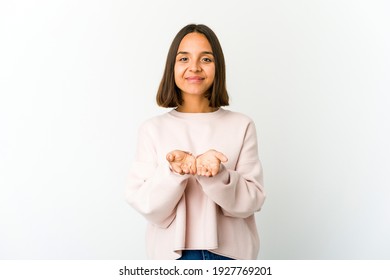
x=169, y=95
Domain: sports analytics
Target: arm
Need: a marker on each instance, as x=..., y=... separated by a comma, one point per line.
x=152, y=189
x=239, y=192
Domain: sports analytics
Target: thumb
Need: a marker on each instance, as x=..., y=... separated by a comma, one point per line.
x=170, y=157
x=221, y=157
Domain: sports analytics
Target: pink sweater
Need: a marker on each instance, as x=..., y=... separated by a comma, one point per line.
x=197, y=212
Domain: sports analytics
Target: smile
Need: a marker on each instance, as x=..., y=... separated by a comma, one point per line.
x=194, y=79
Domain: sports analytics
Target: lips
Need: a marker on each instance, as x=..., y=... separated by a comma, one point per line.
x=194, y=79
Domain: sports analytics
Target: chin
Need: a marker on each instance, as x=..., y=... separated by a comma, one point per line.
x=199, y=93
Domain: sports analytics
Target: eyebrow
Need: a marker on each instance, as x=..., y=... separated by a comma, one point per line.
x=205, y=52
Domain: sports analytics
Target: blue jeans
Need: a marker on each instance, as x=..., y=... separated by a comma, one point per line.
x=201, y=255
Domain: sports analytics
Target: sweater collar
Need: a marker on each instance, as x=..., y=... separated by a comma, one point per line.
x=197, y=116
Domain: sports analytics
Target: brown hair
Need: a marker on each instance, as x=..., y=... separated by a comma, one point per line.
x=169, y=95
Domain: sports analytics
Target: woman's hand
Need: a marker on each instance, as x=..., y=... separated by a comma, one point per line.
x=208, y=164
x=182, y=162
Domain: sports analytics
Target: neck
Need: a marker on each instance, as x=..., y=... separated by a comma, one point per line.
x=194, y=104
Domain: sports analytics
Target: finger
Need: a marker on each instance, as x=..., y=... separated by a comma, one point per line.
x=191, y=167
x=185, y=168
x=204, y=171
x=177, y=169
x=194, y=170
x=170, y=157
x=221, y=157
x=214, y=171
x=198, y=168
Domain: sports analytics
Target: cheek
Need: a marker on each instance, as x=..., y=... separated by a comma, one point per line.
x=178, y=71
x=212, y=73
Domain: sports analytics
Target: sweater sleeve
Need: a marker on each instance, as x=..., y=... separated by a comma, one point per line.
x=239, y=192
x=152, y=189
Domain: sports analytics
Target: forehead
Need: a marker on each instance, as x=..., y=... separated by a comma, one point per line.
x=194, y=42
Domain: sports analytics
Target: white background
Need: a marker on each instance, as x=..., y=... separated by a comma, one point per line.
x=78, y=77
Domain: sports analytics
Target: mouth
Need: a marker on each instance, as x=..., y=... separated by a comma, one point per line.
x=194, y=79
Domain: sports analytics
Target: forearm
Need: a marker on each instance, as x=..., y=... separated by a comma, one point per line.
x=239, y=195
x=155, y=192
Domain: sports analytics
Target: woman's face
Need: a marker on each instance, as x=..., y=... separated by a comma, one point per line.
x=194, y=66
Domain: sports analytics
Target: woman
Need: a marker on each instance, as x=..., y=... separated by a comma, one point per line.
x=197, y=177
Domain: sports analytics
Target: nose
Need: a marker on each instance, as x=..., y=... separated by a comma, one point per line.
x=195, y=66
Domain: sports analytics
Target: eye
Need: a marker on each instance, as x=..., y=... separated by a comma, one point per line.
x=183, y=59
x=206, y=59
